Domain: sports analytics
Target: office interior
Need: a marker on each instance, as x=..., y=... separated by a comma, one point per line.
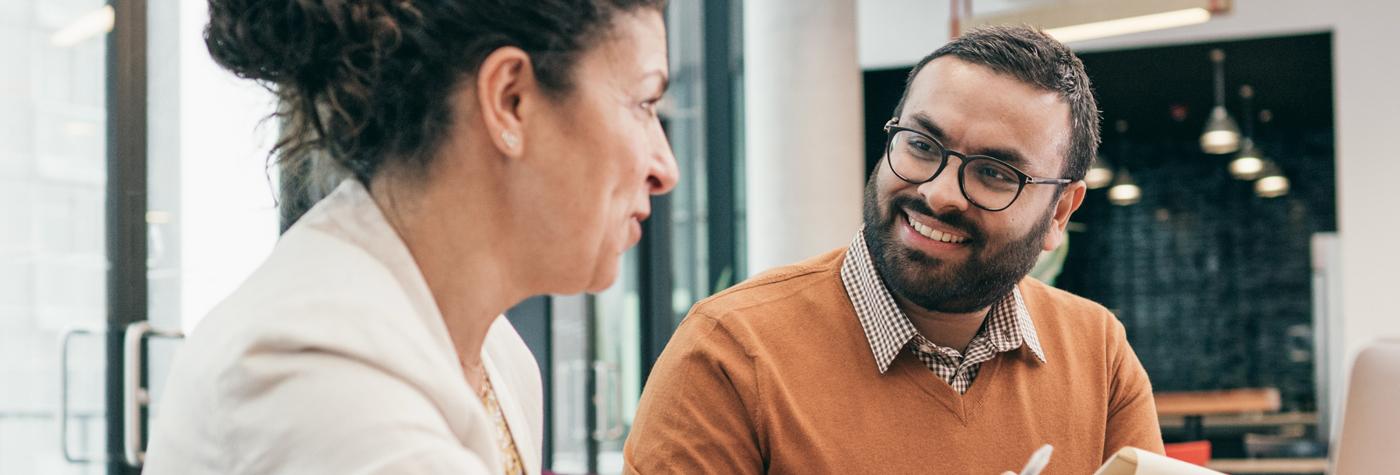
x=135, y=194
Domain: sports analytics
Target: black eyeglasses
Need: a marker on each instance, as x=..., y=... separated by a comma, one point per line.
x=918, y=158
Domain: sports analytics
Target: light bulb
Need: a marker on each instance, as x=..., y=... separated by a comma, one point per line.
x=1098, y=178
x=1100, y=173
x=1124, y=194
x=1246, y=168
x=1249, y=164
x=1222, y=135
x=1272, y=183
x=1271, y=186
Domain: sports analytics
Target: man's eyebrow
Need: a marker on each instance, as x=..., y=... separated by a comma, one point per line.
x=1007, y=155
x=926, y=123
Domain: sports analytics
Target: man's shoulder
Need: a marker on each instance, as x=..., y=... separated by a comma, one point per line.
x=781, y=292
x=1035, y=290
x=1068, y=315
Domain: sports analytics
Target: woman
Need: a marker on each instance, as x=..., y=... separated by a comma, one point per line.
x=498, y=149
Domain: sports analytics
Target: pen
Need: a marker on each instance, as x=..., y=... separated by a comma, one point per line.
x=1038, y=460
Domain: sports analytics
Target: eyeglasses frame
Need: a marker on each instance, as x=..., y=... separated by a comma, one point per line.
x=892, y=127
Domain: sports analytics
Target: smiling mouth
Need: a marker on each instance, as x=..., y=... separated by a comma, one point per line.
x=934, y=234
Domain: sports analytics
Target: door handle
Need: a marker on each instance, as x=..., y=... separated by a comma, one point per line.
x=608, y=392
x=136, y=397
x=67, y=338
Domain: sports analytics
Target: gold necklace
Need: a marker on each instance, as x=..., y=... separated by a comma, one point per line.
x=479, y=369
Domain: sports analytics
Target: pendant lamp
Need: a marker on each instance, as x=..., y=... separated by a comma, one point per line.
x=1221, y=134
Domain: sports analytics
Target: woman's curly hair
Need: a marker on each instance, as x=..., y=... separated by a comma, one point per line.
x=366, y=82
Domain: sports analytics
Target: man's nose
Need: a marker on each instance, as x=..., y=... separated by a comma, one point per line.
x=944, y=192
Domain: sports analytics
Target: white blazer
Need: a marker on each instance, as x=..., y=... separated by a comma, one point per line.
x=332, y=358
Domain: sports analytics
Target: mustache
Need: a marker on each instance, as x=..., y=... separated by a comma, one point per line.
x=955, y=220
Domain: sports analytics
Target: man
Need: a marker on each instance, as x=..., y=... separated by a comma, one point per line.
x=922, y=347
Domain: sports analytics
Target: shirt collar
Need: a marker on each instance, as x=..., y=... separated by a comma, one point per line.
x=888, y=329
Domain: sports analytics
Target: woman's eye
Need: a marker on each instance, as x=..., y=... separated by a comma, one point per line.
x=650, y=105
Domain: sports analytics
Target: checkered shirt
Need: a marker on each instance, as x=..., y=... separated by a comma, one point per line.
x=1007, y=327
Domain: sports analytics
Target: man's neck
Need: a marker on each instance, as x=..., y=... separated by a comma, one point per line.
x=948, y=330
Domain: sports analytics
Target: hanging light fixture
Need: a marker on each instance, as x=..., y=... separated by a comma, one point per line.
x=1272, y=183
x=1100, y=174
x=1125, y=191
x=1101, y=171
x=1221, y=135
x=1249, y=163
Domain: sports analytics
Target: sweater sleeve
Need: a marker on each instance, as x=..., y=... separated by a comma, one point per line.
x=1132, y=414
x=696, y=413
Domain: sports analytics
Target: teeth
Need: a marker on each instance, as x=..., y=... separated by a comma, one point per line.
x=934, y=234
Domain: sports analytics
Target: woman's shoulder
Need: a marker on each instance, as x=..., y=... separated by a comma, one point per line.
x=321, y=343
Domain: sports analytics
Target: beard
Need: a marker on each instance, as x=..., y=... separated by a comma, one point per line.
x=987, y=276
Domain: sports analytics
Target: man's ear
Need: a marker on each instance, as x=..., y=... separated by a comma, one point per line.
x=1069, y=200
x=503, y=82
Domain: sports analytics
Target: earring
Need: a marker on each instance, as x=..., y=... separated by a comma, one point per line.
x=510, y=139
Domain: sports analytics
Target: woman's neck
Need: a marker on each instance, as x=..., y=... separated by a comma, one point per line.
x=467, y=268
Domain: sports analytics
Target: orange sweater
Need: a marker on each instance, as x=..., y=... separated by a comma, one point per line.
x=775, y=375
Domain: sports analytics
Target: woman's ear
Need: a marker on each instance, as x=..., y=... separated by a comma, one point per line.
x=503, y=82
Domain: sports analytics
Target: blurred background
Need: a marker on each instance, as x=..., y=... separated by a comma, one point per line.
x=1240, y=221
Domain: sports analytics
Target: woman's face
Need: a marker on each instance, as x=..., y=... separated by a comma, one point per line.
x=594, y=160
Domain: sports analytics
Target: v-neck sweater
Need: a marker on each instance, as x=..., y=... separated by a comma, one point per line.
x=775, y=375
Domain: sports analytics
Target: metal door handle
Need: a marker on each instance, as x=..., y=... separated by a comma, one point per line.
x=134, y=396
x=68, y=334
x=608, y=390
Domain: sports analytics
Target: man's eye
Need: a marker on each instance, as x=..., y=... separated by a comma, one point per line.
x=990, y=173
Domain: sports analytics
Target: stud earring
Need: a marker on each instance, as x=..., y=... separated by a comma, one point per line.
x=510, y=139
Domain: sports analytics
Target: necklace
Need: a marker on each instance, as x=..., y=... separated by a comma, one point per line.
x=478, y=370
x=511, y=460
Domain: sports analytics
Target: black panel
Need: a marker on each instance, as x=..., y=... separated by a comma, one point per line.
x=126, y=205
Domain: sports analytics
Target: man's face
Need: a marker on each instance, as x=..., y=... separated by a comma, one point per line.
x=974, y=110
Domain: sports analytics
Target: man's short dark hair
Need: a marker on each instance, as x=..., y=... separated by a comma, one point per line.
x=1034, y=58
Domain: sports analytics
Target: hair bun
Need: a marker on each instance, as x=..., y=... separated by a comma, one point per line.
x=301, y=40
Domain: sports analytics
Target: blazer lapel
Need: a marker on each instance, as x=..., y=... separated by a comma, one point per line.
x=520, y=429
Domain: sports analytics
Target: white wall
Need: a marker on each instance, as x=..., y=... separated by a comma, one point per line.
x=897, y=33
x=804, y=150
x=230, y=219
x=215, y=216
x=1365, y=65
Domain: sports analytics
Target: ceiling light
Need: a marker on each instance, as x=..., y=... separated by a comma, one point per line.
x=1124, y=191
x=93, y=23
x=1272, y=183
x=1250, y=161
x=1221, y=135
x=1100, y=174
x=1082, y=20
x=1246, y=166
x=1130, y=25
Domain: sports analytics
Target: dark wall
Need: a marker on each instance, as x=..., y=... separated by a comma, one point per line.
x=1212, y=282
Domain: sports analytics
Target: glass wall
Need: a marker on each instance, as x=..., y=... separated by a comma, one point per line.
x=210, y=216
x=53, y=153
